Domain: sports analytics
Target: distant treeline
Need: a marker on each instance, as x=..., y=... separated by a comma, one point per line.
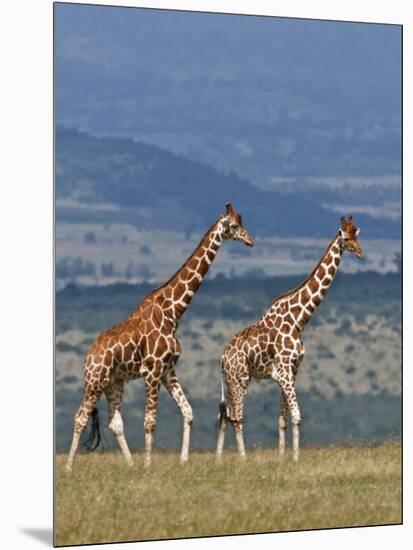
x=69, y=268
x=93, y=309
x=346, y=418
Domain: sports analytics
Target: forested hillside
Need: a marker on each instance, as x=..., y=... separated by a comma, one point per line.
x=117, y=180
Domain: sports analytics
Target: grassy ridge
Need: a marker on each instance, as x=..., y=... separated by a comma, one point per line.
x=103, y=500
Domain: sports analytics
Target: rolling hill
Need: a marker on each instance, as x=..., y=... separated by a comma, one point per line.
x=119, y=180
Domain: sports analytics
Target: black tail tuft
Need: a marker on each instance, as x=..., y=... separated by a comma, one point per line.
x=95, y=432
x=222, y=416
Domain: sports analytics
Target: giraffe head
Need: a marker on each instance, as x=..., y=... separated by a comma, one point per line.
x=232, y=227
x=348, y=237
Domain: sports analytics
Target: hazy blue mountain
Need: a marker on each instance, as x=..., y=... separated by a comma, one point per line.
x=150, y=187
x=264, y=97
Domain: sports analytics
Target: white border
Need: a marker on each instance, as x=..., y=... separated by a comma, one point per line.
x=26, y=268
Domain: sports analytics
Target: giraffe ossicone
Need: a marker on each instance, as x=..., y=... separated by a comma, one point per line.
x=145, y=346
x=273, y=348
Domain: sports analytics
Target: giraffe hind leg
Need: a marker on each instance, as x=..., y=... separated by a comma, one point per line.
x=222, y=426
x=174, y=388
x=236, y=377
x=237, y=391
x=114, y=396
x=94, y=439
x=81, y=419
x=222, y=415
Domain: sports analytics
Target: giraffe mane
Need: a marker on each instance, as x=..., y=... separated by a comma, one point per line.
x=305, y=281
x=166, y=283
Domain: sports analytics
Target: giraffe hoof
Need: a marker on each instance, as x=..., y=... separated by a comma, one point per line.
x=68, y=469
x=183, y=460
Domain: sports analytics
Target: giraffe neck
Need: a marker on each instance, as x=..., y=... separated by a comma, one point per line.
x=300, y=304
x=177, y=293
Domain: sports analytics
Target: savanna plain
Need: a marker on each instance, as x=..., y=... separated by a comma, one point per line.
x=103, y=500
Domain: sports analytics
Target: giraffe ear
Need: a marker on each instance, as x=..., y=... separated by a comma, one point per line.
x=230, y=210
x=343, y=223
x=226, y=223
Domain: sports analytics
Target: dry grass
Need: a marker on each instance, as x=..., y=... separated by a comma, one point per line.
x=104, y=500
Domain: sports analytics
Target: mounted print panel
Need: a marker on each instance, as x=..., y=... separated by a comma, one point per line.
x=228, y=274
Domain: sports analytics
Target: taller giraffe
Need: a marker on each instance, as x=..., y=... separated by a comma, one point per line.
x=145, y=346
x=272, y=347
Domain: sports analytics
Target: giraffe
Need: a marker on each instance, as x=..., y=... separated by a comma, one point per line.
x=145, y=346
x=272, y=347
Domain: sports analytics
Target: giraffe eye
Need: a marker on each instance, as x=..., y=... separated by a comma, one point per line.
x=234, y=226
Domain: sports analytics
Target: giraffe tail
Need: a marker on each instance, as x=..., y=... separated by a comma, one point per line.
x=222, y=415
x=95, y=432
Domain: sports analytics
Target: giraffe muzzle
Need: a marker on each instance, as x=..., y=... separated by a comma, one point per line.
x=248, y=241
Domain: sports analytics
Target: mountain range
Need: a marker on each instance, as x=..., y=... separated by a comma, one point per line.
x=263, y=96
x=108, y=179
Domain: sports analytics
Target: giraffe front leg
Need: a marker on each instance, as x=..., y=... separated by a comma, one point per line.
x=294, y=408
x=114, y=396
x=282, y=424
x=171, y=383
x=286, y=378
x=152, y=395
x=296, y=422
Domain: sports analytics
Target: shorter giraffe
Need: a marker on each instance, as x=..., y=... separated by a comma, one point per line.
x=145, y=346
x=272, y=347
